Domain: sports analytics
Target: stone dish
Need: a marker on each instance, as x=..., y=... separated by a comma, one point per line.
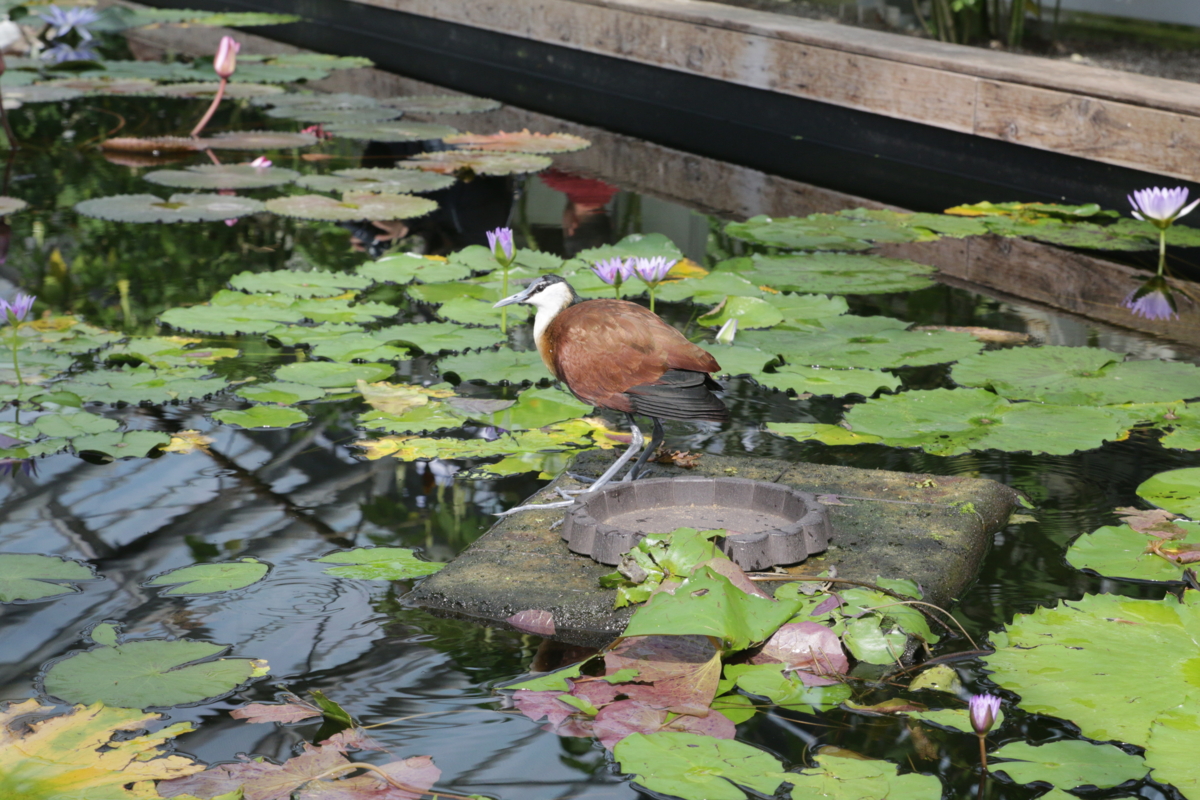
x=768, y=523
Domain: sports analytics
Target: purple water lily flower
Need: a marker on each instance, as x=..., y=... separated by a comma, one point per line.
x=984, y=708
x=65, y=20
x=1152, y=300
x=653, y=270
x=613, y=271
x=16, y=310
x=501, y=243
x=1161, y=207
x=64, y=52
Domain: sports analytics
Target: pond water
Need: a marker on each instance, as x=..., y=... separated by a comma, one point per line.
x=289, y=496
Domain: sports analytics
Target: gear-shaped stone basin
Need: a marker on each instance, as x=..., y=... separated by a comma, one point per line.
x=767, y=523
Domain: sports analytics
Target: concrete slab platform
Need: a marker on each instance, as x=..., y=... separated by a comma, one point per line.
x=932, y=529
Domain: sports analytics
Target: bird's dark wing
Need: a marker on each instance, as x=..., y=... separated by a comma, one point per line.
x=604, y=348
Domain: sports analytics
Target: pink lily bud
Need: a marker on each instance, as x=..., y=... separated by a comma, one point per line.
x=225, y=61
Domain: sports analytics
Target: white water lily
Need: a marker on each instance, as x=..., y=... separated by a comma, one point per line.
x=1161, y=207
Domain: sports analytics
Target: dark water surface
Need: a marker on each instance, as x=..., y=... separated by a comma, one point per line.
x=289, y=496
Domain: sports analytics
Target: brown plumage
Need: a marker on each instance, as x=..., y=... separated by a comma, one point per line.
x=619, y=355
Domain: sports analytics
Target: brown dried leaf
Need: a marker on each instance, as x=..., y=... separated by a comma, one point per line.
x=539, y=705
x=293, y=709
x=1153, y=521
x=678, y=458
x=154, y=144
x=810, y=649
x=616, y=721
x=540, y=623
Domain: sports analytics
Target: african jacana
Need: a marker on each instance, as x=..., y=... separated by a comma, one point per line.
x=619, y=355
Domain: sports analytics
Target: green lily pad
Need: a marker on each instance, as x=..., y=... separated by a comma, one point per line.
x=955, y=227
x=441, y=337
x=299, y=284
x=1060, y=659
x=167, y=351
x=27, y=576
x=103, y=85
x=323, y=60
x=750, y=312
x=824, y=232
x=448, y=162
x=695, y=767
x=177, y=208
x=249, y=72
x=711, y=288
x=867, y=342
x=635, y=245
x=339, y=310
x=833, y=273
x=354, y=206
x=131, y=444
x=1069, y=764
x=377, y=181
x=257, y=140
x=41, y=93
x=1078, y=376
x=308, y=335
x=68, y=426
x=519, y=142
x=284, y=394
x=147, y=673
x=222, y=176
x=378, y=564
x=1118, y=551
x=442, y=104
x=422, y=419
x=851, y=777
x=232, y=313
x=142, y=385
x=737, y=359
x=313, y=113
x=536, y=408
x=481, y=312
x=821, y=381
x=359, y=347
x=784, y=690
x=264, y=416
x=332, y=374
x=408, y=267
x=1178, y=491
x=1174, y=737
x=393, y=131
x=958, y=719
x=211, y=578
x=560, y=437
x=807, y=310
x=437, y=293
x=207, y=90
x=503, y=366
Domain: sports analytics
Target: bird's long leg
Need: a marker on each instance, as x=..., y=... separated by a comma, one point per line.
x=656, y=439
x=634, y=446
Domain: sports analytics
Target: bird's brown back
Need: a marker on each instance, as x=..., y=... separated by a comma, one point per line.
x=601, y=348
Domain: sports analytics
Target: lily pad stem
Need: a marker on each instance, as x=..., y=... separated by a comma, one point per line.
x=212, y=109
x=983, y=772
x=1162, y=250
x=652, y=288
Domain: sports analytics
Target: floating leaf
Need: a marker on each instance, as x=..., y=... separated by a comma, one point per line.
x=378, y=564
x=786, y=691
x=147, y=672
x=450, y=161
x=503, y=366
x=537, y=408
x=279, y=392
x=441, y=337
x=479, y=312
x=331, y=374
x=806, y=310
x=205, y=90
x=523, y=142
x=222, y=176
x=868, y=342
x=358, y=347
x=1082, y=376
x=750, y=312
x=232, y=313
x=423, y=419
x=68, y=426
x=167, y=351
x=378, y=181
x=177, y=208
x=408, y=267
x=261, y=417
x=956, y=227
x=393, y=131
x=27, y=576
x=821, y=381
x=299, y=284
x=399, y=398
x=958, y=719
x=131, y=444
x=1121, y=552
x=1178, y=491
x=331, y=100
x=340, y=310
x=1060, y=659
x=258, y=140
x=442, y=104
x=102, y=85
x=738, y=360
x=154, y=145
x=695, y=767
x=351, y=207
x=1069, y=764
x=90, y=752
x=211, y=578
x=832, y=273
x=142, y=385
x=185, y=442
x=323, y=60
x=843, y=775
x=1174, y=737
x=335, y=116
x=41, y=93
x=558, y=437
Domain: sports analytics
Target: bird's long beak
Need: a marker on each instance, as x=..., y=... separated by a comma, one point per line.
x=519, y=297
